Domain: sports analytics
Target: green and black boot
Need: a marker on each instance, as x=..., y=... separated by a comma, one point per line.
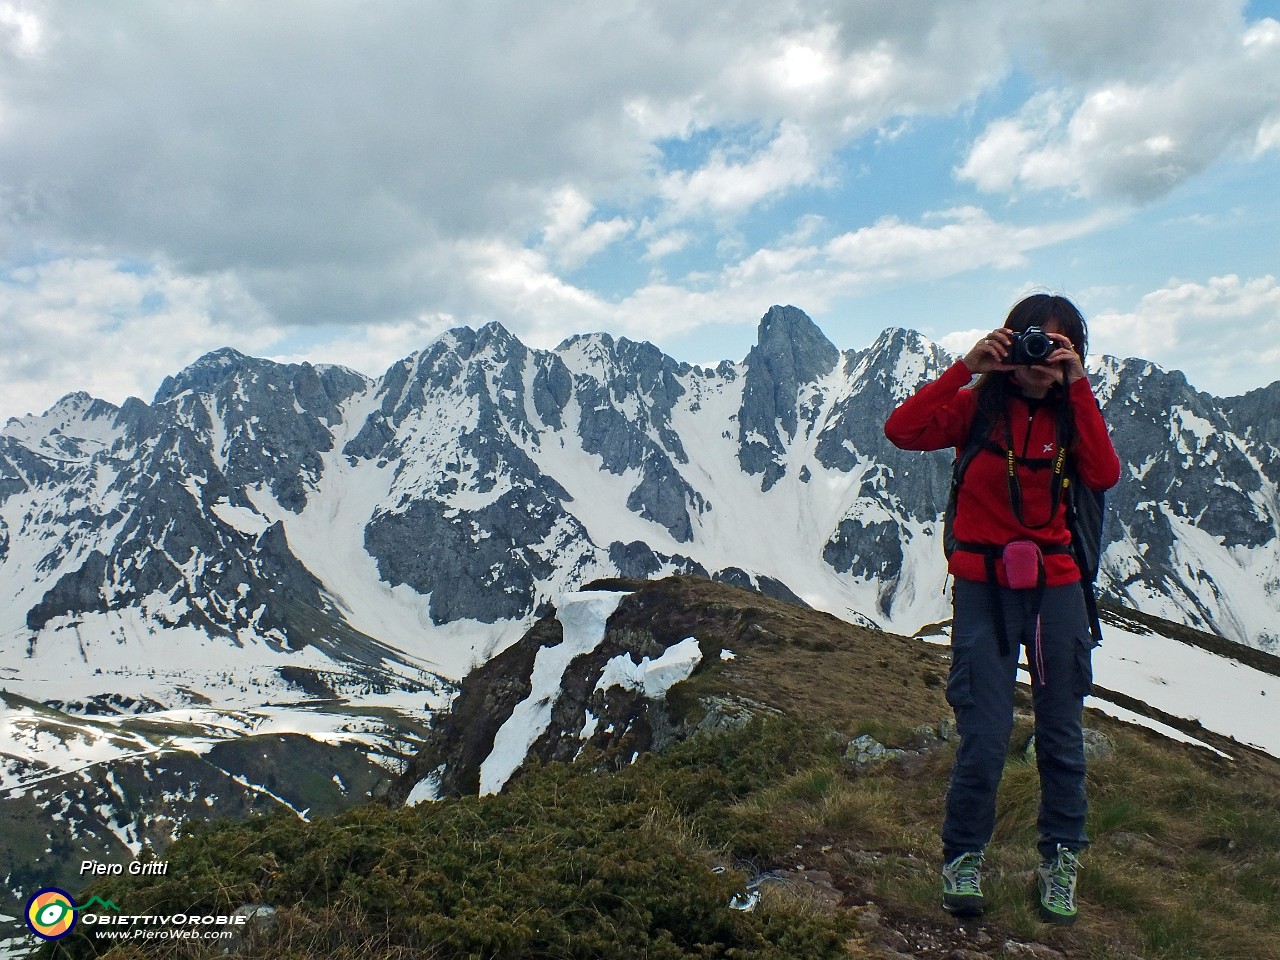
x=962, y=885
x=1056, y=880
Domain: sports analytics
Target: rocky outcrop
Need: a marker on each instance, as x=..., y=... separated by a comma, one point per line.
x=608, y=696
x=668, y=664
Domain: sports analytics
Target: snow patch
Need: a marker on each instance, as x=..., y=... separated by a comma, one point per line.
x=1176, y=678
x=583, y=616
x=1138, y=720
x=426, y=790
x=654, y=677
x=244, y=519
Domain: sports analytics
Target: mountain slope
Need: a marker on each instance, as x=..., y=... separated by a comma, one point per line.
x=790, y=812
x=287, y=549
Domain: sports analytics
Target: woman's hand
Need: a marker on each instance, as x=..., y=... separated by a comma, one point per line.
x=1066, y=358
x=990, y=352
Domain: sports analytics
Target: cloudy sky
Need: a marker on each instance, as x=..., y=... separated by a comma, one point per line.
x=343, y=180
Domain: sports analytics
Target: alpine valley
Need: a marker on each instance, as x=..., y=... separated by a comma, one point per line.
x=254, y=591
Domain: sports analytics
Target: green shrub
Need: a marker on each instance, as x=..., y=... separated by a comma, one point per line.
x=569, y=863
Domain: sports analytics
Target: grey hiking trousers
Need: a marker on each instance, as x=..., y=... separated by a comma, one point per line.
x=980, y=691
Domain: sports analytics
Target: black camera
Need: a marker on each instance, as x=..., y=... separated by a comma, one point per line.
x=1031, y=346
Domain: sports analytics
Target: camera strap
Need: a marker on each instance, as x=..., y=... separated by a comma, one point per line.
x=1057, y=482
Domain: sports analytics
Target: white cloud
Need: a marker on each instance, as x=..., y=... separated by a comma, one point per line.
x=370, y=349
x=667, y=244
x=1009, y=150
x=318, y=151
x=886, y=254
x=569, y=237
x=95, y=325
x=1139, y=140
x=959, y=240
x=960, y=342
x=1085, y=42
x=518, y=286
x=724, y=185
x=1226, y=331
x=852, y=67
x=21, y=29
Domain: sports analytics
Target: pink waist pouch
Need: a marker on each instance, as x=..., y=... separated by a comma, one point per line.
x=1023, y=564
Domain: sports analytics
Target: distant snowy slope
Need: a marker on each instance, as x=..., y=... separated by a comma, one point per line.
x=258, y=516
x=1223, y=695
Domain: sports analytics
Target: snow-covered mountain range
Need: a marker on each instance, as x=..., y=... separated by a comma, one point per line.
x=262, y=515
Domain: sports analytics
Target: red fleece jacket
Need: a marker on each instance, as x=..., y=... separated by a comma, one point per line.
x=939, y=415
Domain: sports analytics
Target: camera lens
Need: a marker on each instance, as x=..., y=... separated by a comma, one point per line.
x=1036, y=346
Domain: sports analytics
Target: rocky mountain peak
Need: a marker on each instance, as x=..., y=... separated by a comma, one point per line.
x=791, y=347
x=496, y=338
x=898, y=362
x=74, y=409
x=467, y=343
x=894, y=341
x=78, y=402
x=204, y=375
x=1260, y=410
x=791, y=355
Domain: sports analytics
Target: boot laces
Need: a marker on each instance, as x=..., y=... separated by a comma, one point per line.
x=966, y=873
x=1061, y=874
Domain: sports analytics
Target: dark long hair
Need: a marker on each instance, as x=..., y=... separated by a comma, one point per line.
x=1038, y=310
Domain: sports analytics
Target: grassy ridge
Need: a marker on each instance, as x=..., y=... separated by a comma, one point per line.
x=573, y=862
x=584, y=860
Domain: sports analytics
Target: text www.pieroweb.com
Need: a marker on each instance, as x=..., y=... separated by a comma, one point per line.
x=142, y=933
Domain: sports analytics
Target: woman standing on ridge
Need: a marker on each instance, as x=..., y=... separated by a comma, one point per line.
x=1030, y=416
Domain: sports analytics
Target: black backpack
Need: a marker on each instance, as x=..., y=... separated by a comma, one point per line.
x=1086, y=510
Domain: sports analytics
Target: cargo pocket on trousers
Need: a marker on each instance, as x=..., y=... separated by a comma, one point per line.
x=959, y=684
x=1084, y=664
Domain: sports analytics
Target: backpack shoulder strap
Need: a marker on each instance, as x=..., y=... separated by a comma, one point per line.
x=975, y=441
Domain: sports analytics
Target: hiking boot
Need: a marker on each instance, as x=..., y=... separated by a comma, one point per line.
x=962, y=885
x=1056, y=879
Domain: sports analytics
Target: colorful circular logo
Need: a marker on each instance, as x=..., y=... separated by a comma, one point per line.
x=51, y=913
